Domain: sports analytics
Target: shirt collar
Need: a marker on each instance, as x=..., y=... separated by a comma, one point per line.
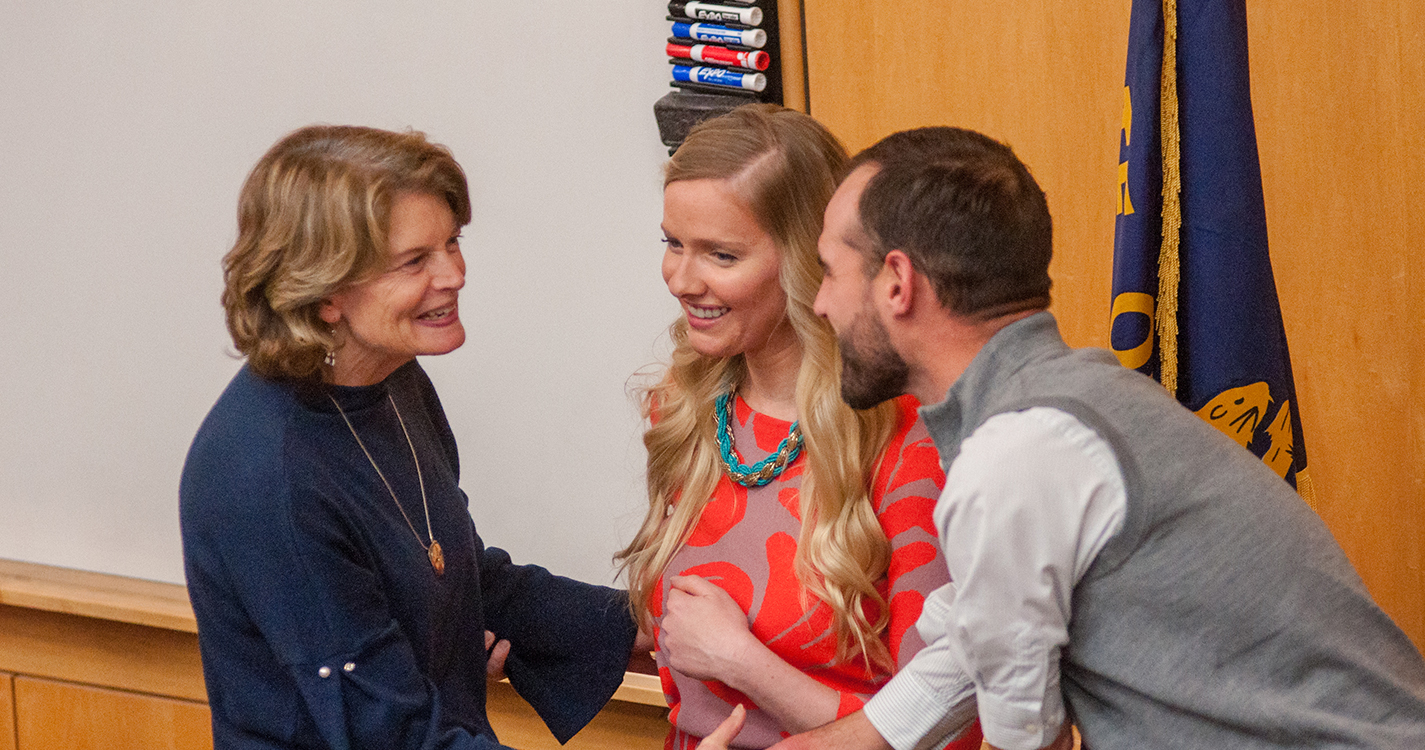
x=965, y=404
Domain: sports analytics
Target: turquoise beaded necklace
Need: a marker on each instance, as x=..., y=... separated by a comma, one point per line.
x=763, y=471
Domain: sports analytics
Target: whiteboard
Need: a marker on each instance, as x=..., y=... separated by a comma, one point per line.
x=126, y=130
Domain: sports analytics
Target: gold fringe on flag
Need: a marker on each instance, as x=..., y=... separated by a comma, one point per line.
x=1306, y=489
x=1168, y=260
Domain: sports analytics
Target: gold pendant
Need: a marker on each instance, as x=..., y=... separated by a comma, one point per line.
x=437, y=558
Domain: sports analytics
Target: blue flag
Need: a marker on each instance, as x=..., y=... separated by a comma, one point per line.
x=1194, y=301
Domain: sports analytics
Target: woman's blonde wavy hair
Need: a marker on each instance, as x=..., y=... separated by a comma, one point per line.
x=786, y=166
x=313, y=217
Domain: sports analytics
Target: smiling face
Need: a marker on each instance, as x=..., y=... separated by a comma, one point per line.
x=408, y=309
x=723, y=267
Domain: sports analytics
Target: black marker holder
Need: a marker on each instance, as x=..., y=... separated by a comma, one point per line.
x=691, y=103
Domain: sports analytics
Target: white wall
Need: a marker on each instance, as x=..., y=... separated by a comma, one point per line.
x=126, y=129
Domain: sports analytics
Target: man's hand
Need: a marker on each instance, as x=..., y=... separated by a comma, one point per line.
x=852, y=732
x=1065, y=740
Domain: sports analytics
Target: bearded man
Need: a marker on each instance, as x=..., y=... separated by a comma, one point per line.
x=1118, y=564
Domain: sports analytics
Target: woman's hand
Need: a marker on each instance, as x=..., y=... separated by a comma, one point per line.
x=725, y=731
x=705, y=632
x=495, y=655
x=706, y=636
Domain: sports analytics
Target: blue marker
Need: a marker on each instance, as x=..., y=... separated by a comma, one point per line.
x=706, y=32
x=719, y=77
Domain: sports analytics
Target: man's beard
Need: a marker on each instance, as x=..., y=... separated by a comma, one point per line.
x=871, y=371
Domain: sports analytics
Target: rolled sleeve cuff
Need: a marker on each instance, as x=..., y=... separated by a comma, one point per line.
x=908, y=710
x=1012, y=726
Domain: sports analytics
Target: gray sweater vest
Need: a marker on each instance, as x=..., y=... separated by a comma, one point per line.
x=1224, y=614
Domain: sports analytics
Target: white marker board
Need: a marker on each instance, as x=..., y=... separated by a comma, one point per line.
x=126, y=130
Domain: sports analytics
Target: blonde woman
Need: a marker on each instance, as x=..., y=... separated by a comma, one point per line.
x=789, y=544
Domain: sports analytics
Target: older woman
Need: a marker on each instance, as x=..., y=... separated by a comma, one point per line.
x=789, y=545
x=341, y=590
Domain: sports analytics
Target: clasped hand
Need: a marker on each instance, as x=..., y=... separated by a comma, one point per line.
x=496, y=651
x=705, y=632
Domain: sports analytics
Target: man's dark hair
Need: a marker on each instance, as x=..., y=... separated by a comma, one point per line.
x=967, y=212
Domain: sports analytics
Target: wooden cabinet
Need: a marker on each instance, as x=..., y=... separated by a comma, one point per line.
x=54, y=714
x=97, y=661
x=7, y=712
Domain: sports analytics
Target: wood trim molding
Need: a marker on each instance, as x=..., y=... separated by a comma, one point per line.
x=646, y=689
x=99, y=595
x=793, y=50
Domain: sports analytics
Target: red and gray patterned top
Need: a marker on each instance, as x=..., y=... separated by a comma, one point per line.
x=746, y=543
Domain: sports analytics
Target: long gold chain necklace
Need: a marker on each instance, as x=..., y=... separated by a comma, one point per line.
x=433, y=551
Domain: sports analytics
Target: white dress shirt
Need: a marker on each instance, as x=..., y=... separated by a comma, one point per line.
x=1028, y=504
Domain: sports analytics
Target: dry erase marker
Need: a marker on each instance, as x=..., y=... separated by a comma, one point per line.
x=756, y=59
x=719, y=77
x=716, y=13
x=706, y=32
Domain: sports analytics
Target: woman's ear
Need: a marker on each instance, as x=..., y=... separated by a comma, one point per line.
x=329, y=311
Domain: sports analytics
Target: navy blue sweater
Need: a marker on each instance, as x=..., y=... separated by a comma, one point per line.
x=320, y=619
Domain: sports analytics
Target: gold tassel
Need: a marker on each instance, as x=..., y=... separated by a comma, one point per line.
x=1168, y=259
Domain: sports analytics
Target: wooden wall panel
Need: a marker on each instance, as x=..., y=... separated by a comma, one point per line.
x=1038, y=74
x=54, y=714
x=1339, y=97
x=1340, y=106
x=7, y=712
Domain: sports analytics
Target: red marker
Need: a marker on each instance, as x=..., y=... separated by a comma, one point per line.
x=755, y=59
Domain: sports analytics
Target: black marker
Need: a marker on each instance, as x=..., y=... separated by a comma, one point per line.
x=700, y=11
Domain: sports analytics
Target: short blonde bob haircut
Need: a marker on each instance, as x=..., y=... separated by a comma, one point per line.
x=785, y=165
x=313, y=217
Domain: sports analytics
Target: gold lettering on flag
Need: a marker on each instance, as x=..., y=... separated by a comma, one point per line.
x=1134, y=302
x=1125, y=201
